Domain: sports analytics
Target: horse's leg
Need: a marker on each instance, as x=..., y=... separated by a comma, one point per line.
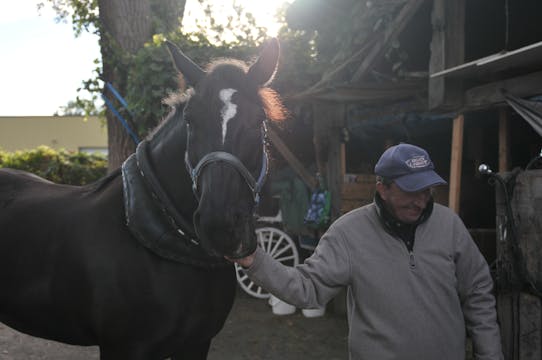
x=193, y=351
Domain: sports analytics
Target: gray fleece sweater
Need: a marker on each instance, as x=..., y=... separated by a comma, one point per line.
x=401, y=305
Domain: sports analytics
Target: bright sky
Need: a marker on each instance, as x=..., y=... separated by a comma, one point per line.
x=42, y=63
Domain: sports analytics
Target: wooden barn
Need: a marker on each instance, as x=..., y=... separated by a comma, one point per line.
x=462, y=79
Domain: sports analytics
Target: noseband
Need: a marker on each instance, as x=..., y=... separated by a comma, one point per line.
x=255, y=186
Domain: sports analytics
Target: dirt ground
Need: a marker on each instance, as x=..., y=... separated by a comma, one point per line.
x=251, y=331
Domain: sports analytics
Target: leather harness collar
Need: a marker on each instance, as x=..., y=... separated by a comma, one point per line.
x=154, y=221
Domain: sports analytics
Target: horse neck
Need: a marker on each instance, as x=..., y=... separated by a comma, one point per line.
x=167, y=149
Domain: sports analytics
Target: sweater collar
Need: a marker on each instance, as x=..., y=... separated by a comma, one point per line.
x=394, y=225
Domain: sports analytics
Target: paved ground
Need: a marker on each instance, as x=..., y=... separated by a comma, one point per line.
x=251, y=332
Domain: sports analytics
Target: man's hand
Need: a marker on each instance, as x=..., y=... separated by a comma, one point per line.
x=245, y=262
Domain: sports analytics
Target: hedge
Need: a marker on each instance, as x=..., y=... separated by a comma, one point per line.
x=59, y=166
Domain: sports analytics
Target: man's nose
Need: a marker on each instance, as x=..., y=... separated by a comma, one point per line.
x=420, y=202
x=420, y=198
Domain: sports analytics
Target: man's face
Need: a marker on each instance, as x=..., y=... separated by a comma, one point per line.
x=405, y=206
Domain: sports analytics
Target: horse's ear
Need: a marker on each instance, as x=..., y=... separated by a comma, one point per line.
x=263, y=70
x=190, y=70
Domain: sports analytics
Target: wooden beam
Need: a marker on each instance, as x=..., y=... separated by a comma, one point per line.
x=504, y=139
x=389, y=34
x=343, y=160
x=329, y=120
x=437, y=60
x=292, y=160
x=330, y=74
x=335, y=177
x=456, y=162
x=491, y=94
x=447, y=50
x=371, y=50
x=525, y=57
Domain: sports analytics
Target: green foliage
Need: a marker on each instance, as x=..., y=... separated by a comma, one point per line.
x=74, y=168
x=298, y=68
x=150, y=78
x=82, y=13
x=149, y=74
x=240, y=28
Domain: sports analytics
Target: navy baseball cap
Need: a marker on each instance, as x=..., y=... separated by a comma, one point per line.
x=409, y=167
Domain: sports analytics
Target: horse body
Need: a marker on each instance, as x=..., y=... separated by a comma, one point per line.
x=72, y=272
x=77, y=267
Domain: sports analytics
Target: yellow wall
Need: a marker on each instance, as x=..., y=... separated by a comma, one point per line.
x=57, y=132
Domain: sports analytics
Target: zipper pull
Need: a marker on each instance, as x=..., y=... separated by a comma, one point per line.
x=412, y=261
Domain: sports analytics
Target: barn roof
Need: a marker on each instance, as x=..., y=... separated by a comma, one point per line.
x=360, y=34
x=384, y=50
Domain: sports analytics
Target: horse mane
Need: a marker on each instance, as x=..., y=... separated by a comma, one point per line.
x=273, y=106
x=102, y=183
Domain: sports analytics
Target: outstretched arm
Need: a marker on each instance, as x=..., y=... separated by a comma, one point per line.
x=308, y=285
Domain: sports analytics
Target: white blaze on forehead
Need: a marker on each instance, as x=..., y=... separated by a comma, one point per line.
x=228, y=110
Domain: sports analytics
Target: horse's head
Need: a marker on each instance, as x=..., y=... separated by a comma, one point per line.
x=226, y=149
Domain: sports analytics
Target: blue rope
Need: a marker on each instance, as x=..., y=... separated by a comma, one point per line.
x=123, y=102
x=122, y=120
x=119, y=98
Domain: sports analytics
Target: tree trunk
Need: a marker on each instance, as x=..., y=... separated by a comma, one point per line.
x=125, y=27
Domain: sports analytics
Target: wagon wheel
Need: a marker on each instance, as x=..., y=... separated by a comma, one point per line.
x=281, y=247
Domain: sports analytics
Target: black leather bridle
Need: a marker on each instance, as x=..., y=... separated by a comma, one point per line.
x=230, y=159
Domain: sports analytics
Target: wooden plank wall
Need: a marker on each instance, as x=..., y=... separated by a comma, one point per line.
x=520, y=311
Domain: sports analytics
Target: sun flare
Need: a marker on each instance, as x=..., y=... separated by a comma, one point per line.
x=264, y=13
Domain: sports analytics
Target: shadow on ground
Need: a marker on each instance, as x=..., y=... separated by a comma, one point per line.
x=251, y=332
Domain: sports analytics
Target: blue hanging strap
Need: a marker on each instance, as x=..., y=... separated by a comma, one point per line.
x=121, y=119
x=119, y=98
x=115, y=112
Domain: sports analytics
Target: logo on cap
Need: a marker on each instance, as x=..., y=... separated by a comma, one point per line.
x=417, y=162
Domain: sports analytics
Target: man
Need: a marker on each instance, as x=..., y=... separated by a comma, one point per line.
x=415, y=279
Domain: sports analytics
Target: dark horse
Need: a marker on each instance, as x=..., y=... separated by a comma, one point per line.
x=134, y=263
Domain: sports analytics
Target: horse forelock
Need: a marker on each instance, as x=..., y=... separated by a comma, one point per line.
x=226, y=63
x=232, y=74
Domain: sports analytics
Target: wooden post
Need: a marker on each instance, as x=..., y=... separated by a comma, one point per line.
x=456, y=162
x=504, y=139
x=447, y=50
x=328, y=124
x=343, y=160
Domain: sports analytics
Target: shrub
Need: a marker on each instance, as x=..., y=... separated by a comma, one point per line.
x=59, y=166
